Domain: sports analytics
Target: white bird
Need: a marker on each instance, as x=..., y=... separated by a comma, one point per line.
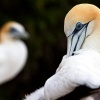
x=13, y=52
x=81, y=65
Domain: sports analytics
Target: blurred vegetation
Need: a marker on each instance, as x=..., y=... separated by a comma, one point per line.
x=44, y=20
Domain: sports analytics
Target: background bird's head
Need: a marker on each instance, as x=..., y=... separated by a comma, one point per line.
x=80, y=23
x=12, y=30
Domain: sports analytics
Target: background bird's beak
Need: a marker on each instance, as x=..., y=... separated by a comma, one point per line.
x=75, y=40
x=17, y=34
x=24, y=35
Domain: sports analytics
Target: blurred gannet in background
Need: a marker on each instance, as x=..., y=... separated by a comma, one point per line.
x=13, y=52
x=81, y=65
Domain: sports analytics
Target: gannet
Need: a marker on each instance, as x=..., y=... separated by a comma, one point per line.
x=13, y=51
x=81, y=65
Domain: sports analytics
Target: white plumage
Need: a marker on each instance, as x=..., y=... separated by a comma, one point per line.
x=37, y=95
x=81, y=65
x=13, y=52
x=77, y=73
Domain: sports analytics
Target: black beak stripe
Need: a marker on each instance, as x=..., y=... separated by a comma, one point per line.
x=74, y=33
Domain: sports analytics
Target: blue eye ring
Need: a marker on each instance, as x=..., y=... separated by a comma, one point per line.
x=79, y=26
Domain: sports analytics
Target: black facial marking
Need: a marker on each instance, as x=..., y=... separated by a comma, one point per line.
x=12, y=30
x=78, y=27
x=79, y=37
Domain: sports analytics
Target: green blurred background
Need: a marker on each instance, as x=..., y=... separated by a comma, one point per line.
x=44, y=20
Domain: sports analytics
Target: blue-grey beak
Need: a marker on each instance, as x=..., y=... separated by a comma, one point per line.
x=76, y=39
x=17, y=34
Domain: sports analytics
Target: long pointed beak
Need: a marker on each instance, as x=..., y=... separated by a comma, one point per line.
x=24, y=35
x=75, y=40
x=17, y=34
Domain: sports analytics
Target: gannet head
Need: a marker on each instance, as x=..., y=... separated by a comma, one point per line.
x=13, y=30
x=79, y=24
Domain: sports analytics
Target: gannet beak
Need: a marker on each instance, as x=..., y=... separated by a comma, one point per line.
x=26, y=34
x=76, y=39
x=17, y=34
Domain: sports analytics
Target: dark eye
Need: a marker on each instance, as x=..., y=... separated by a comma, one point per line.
x=12, y=30
x=79, y=26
